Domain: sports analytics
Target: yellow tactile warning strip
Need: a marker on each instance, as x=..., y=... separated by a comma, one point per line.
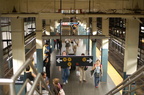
x=114, y=75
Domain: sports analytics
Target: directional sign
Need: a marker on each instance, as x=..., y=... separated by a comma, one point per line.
x=72, y=60
x=90, y=60
x=58, y=60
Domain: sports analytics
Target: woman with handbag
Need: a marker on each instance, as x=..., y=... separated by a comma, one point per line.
x=58, y=88
x=97, y=72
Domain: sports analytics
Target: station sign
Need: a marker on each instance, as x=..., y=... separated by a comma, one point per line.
x=69, y=23
x=71, y=60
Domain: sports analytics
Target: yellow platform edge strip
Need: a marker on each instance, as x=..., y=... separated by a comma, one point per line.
x=114, y=75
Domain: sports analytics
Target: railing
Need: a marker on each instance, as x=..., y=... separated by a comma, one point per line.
x=126, y=84
x=11, y=81
x=29, y=40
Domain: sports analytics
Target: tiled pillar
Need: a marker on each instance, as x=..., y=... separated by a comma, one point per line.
x=94, y=28
x=104, y=49
x=18, y=45
x=39, y=45
x=131, y=47
x=1, y=60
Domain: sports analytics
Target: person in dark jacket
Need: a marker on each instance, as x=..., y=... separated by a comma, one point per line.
x=29, y=75
x=47, y=64
x=64, y=70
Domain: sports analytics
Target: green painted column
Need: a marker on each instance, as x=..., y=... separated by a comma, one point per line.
x=104, y=49
x=94, y=29
x=18, y=43
x=94, y=50
x=104, y=59
x=131, y=48
x=1, y=60
x=39, y=45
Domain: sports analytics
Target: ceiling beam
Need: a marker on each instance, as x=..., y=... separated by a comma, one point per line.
x=60, y=15
x=106, y=15
x=45, y=37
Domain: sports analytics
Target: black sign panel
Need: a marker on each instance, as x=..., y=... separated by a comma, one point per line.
x=72, y=60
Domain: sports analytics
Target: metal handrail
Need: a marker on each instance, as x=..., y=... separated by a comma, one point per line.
x=135, y=76
x=11, y=81
x=134, y=89
x=23, y=87
x=39, y=77
x=128, y=83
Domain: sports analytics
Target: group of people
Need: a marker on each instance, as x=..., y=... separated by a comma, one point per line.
x=31, y=76
x=97, y=71
x=56, y=83
x=65, y=70
x=69, y=42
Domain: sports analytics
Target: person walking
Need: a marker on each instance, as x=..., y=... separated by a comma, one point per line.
x=74, y=46
x=82, y=70
x=98, y=72
x=67, y=45
x=64, y=70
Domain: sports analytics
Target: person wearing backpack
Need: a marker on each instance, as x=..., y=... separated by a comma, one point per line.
x=98, y=71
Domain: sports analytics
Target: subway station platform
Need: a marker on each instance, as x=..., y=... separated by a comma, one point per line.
x=74, y=87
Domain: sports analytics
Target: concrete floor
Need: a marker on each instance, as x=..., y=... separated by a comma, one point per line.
x=74, y=87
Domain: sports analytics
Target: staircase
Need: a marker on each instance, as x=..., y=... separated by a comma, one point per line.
x=129, y=85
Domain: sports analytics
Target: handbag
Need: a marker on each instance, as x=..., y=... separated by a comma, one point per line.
x=92, y=72
x=67, y=45
x=97, y=74
x=61, y=92
x=85, y=68
x=77, y=73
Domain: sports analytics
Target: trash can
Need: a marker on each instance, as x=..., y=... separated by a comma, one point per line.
x=18, y=85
